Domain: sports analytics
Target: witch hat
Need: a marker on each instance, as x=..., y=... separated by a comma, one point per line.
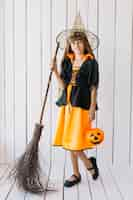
x=78, y=26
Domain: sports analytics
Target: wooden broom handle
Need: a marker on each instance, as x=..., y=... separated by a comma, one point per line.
x=49, y=81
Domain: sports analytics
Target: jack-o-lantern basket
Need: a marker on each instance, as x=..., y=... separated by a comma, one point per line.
x=94, y=136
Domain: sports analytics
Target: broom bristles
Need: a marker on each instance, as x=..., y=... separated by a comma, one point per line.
x=27, y=169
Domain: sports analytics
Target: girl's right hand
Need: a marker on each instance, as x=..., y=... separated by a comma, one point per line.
x=92, y=113
x=53, y=65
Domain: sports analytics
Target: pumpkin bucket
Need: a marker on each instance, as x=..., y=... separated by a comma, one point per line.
x=94, y=136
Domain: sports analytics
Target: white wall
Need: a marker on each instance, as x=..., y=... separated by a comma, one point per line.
x=27, y=43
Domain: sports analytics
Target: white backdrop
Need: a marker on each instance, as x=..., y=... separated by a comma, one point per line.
x=28, y=29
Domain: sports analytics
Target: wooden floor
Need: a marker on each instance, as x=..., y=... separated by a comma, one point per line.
x=112, y=184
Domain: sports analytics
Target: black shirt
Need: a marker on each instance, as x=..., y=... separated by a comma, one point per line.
x=87, y=76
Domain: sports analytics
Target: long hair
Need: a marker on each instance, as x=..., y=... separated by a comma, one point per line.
x=77, y=36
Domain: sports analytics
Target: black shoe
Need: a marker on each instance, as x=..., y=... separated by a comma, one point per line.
x=93, y=161
x=71, y=183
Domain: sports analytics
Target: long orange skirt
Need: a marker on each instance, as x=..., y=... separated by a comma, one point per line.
x=70, y=127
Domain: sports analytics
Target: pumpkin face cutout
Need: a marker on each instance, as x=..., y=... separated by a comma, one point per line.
x=95, y=135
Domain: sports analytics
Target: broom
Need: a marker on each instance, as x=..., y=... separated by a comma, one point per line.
x=27, y=169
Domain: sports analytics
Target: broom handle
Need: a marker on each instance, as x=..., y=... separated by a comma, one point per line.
x=50, y=76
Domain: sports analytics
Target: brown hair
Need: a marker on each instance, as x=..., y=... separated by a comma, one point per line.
x=77, y=36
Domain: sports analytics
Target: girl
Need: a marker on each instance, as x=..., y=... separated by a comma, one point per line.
x=79, y=79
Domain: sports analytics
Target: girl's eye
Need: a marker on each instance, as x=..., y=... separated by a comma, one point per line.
x=72, y=43
x=77, y=42
x=80, y=43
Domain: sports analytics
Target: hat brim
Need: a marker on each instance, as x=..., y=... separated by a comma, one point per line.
x=63, y=36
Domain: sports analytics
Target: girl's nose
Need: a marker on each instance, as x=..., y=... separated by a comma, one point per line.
x=77, y=45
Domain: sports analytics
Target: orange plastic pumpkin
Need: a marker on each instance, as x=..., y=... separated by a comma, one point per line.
x=94, y=136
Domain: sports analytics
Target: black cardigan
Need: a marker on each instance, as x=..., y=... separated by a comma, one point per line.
x=88, y=76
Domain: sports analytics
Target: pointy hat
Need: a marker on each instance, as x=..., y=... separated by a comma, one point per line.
x=77, y=27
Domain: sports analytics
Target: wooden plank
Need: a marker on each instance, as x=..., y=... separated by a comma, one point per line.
x=33, y=196
x=16, y=193
x=106, y=60
x=83, y=9
x=45, y=52
x=1, y=49
x=123, y=56
x=71, y=12
x=6, y=172
x=33, y=65
x=84, y=190
x=6, y=190
x=8, y=187
x=72, y=192
x=56, y=175
x=2, y=86
x=10, y=80
x=6, y=184
x=3, y=171
x=124, y=180
x=112, y=191
x=131, y=102
x=96, y=187
x=19, y=77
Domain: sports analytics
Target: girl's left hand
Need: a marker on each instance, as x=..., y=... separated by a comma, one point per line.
x=92, y=113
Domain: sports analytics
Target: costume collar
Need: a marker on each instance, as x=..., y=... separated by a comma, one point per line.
x=86, y=56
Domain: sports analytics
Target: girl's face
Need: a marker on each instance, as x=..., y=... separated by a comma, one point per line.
x=77, y=46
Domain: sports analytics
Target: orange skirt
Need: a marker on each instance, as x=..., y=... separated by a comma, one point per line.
x=70, y=127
